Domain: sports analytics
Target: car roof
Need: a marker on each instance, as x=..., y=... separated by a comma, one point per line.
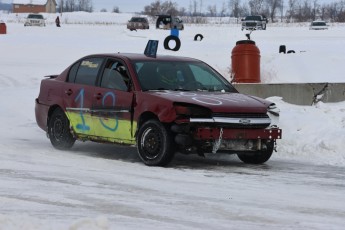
x=142, y=57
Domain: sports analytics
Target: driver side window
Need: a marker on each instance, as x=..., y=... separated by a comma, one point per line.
x=115, y=76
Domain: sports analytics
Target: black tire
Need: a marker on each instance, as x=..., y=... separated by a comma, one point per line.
x=258, y=157
x=282, y=49
x=155, y=144
x=168, y=39
x=197, y=36
x=59, y=131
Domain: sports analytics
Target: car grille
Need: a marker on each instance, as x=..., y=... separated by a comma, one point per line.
x=252, y=24
x=244, y=119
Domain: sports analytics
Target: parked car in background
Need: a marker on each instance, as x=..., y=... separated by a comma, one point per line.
x=169, y=22
x=138, y=23
x=35, y=20
x=254, y=22
x=163, y=105
x=318, y=25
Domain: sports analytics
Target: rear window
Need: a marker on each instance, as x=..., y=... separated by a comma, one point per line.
x=138, y=20
x=87, y=72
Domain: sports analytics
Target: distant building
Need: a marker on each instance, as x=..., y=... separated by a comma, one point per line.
x=34, y=6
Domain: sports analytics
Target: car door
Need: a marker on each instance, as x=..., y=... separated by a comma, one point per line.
x=78, y=94
x=112, y=104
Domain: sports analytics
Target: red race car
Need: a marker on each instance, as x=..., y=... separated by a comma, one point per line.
x=163, y=105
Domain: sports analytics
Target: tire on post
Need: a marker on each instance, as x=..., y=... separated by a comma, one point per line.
x=174, y=38
x=197, y=36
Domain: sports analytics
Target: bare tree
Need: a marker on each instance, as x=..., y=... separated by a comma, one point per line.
x=341, y=12
x=281, y=8
x=273, y=6
x=315, y=9
x=194, y=8
x=153, y=9
x=157, y=7
x=212, y=10
x=235, y=9
x=85, y=5
x=323, y=12
x=291, y=11
x=76, y=5
x=116, y=9
x=223, y=10
x=201, y=5
x=256, y=6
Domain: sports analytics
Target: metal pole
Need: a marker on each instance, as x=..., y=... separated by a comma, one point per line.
x=61, y=6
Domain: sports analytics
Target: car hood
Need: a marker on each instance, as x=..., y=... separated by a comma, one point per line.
x=218, y=102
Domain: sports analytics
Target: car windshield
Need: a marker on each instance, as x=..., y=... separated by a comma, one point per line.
x=35, y=16
x=180, y=76
x=253, y=18
x=319, y=23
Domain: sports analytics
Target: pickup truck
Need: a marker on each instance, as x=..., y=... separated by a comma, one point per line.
x=254, y=22
x=169, y=22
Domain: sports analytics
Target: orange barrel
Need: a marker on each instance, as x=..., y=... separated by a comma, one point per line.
x=2, y=28
x=245, y=62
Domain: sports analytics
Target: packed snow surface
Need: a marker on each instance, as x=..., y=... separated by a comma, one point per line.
x=100, y=186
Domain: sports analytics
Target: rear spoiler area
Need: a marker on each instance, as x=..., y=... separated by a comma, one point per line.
x=51, y=76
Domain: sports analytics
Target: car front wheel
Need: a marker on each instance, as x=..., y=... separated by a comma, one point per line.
x=59, y=131
x=154, y=143
x=258, y=157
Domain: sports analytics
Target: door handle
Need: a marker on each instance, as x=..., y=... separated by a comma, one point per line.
x=98, y=96
x=69, y=92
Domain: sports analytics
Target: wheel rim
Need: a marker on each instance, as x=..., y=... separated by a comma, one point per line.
x=58, y=128
x=151, y=143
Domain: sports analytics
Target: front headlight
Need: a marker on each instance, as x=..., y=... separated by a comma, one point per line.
x=189, y=110
x=273, y=113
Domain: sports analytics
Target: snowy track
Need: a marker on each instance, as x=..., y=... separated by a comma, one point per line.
x=108, y=186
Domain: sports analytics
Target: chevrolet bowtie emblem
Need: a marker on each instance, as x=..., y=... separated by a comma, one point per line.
x=244, y=121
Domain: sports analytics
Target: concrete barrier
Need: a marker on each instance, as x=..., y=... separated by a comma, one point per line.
x=296, y=93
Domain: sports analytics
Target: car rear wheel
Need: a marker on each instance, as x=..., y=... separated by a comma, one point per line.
x=59, y=131
x=154, y=144
x=257, y=157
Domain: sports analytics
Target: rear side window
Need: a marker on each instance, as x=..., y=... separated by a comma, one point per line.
x=73, y=72
x=87, y=71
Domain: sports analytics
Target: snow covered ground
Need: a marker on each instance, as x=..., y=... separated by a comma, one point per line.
x=107, y=187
